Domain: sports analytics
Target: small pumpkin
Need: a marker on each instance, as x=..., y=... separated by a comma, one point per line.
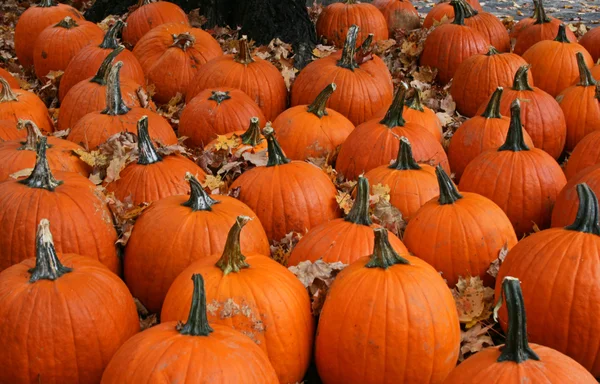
x=274, y=300
x=553, y=76
x=95, y=323
x=344, y=240
x=501, y=175
x=443, y=12
x=401, y=14
x=17, y=104
x=517, y=361
x=585, y=154
x=425, y=306
x=312, y=130
x=518, y=27
x=150, y=14
x=217, y=111
x=489, y=26
x=591, y=42
x=10, y=79
x=251, y=137
x=258, y=78
x=190, y=352
x=567, y=202
x=352, y=78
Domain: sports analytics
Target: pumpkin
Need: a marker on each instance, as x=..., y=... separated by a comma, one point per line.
x=69, y=200
x=523, y=181
x=274, y=300
x=250, y=137
x=96, y=127
x=10, y=79
x=9, y=131
x=84, y=64
x=33, y=21
x=443, y=12
x=411, y=185
x=82, y=332
x=151, y=263
x=148, y=15
x=190, y=352
x=543, y=28
x=596, y=72
x=591, y=42
x=489, y=26
x=567, y=258
x=585, y=154
x=374, y=143
x=312, y=130
x=517, y=361
x=450, y=44
x=541, y=115
x=380, y=4
x=555, y=75
x=580, y=104
x=478, y=77
x=16, y=155
x=336, y=19
x=90, y=95
x=526, y=22
x=258, y=78
x=171, y=55
x=17, y=104
x=401, y=14
x=353, y=345
x=58, y=44
x=567, y=202
x=214, y=112
x=345, y=240
x=364, y=87
x=481, y=133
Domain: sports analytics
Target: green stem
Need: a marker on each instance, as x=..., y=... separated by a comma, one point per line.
x=587, y=214
x=521, y=80
x=539, y=14
x=470, y=10
x=232, y=259
x=41, y=177
x=359, y=214
x=6, y=94
x=183, y=41
x=114, y=101
x=252, y=135
x=68, y=23
x=197, y=322
x=244, y=56
x=448, y=192
x=348, y=59
x=274, y=152
x=317, y=107
x=102, y=74
x=384, y=255
x=147, y=152
x=405, y=160
x=514, y=138
x=110, y=38
x=492, y=51
x=561, y=36
x=348, y=2
x=47, y=3
x=393, y=118
x=219, y=96
x=492, y=111
x=415, y=101
x=47, y=264
x=536, y=12
x=33, y=135
x=460, y=12
x=199, y=200
x=585, y=76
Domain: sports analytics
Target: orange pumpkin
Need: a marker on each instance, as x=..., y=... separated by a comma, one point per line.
x=10, y=79
x=489, y=26
x=443, y=12
x=401, y=14
x=189, y=353
x=17, y=104
x=344, y=240
x=250, y=137
x=585, y=154
x=274, y=301
x=312, y=130
x=526, y=22
x=596, y=71
x=9, y=131
x=149, y=15
x=567, y=202
x=591, y=42
x=95, y=323
x=353, y=345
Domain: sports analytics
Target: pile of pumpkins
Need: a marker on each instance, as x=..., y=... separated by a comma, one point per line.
x=230, y=313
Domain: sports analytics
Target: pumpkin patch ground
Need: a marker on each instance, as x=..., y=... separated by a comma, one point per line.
x=263, y=191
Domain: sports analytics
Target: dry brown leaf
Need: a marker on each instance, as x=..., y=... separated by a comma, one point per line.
x=281, y=250
x=474, y=301
x=474, y=340
x=495, y=265
x=317, y=277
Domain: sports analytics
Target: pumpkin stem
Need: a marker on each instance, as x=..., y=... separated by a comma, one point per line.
x=514, y=138
x=317, y=107
x=219, y=96
x=536, y=11
x=47, y=264
x=197, y=322
x=147, y=152
x=348, y=2
x=460, y=12
x=470, y=10
x=114, y=101
x=539, y=13
x=145, y=2
x=405, y=160
x=448, y=192
x=41, y=177
x=492, y=51
x=384, y=256
x=517, y=347
x=561, y=36
x=68, y=23
x=110, y=38
x=585, y=76
x=252, y=135
x=492, y=111
x=348, y=59
x=102, y=74
x=393, y=118
x=199, y=200
x=183, y=41
x=274, y=152
x=359, y=214
x=415, y=101
x=6, y=94
x=587, y=214
x=521, y=80
x=244, y=56
x=232, y=259
x=33, y=135
x=47, y=3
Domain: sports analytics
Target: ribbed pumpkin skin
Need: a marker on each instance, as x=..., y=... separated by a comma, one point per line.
x=437, y=13
x=585, y=154
x=12, y=82
x=203, y=119
x=149, y=16
x=56, y=46
x=339, y=240
x=553, y=367
x=591, y=42
x=336, y=19
x=535, y=33
x=491, y=28
x=460, y=239
x=559, y=263
x=63, y=331
x=581, y=109
x=161, y=354
x=353, y=342
x=275, y=309
x=168, y=237
x=28, y=107
x=9, y=131
x=289, y=197
x=567, y=202
x=171, y=68
x=32, y=22
x=426, y=118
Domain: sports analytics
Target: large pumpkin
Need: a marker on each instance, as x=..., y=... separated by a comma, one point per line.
x=345, y=240
x=189, y=353
x=489, y=26
x=561, y=263
x=353, y=345
x=364, y=88
x=591, y=42
x=567, y=202
x=443, y=12
x=17, y=104
x=274, y=304
x=585, y=154
x=148, y=15
x=9, y=131
x=96, y=315
x=523, y=181
x=517, y=361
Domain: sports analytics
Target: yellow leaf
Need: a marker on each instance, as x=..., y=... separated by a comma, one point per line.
x=213, y=182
